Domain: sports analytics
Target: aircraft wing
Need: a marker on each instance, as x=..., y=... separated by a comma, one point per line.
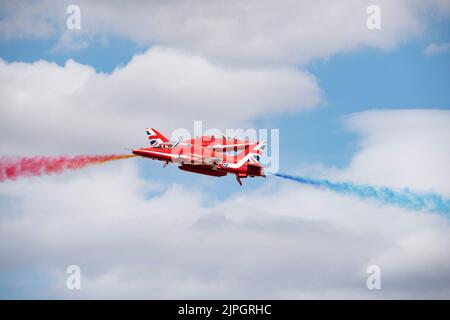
x=202, y=160
x=230, y=146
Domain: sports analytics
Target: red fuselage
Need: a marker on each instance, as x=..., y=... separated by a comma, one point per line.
x=209, y=156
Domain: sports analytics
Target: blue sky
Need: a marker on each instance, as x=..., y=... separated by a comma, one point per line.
x=400, y=79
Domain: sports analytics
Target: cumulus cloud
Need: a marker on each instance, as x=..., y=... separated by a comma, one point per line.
x=222, y=64
x=131, y=239
x=408, y=146
x=235, y=32
x=47, y=108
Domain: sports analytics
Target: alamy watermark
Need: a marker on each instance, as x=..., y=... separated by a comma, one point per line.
x=73, y=281
x=373, y=21
x=73, y=21
x=374, y=279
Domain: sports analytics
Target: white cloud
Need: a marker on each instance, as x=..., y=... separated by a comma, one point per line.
x=244, y=33
x=28, y=19
x=282, y=241
x=51, y=109
x=437, y=48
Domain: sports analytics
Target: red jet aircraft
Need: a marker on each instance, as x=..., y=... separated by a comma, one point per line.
x=207, y=155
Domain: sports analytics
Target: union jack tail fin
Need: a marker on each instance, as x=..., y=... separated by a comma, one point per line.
x=155, y=137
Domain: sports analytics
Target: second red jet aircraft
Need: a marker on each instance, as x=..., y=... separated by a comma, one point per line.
x=207, y=155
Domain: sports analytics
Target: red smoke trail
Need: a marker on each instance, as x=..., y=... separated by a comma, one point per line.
x=13, y=168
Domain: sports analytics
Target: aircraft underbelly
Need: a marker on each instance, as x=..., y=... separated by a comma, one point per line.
x=202, y=169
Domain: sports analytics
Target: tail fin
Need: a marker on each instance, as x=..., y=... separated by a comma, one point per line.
x=155, y=137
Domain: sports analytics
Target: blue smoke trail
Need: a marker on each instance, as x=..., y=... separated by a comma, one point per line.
x=405, y=198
